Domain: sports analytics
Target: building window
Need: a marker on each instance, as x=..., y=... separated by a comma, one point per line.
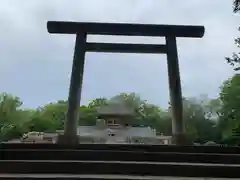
x=111, y=121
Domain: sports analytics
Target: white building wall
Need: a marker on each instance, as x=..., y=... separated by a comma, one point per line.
x=117, y=135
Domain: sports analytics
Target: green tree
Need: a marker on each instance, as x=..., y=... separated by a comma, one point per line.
x=49, y=118
x=230, y=112
x=9, y=108
x=236, y=5
x=12, y=118
x=88, y=115
x=235, y=59
x=199, y=125
x=98, y=102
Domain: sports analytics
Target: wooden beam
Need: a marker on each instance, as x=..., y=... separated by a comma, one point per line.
x=126, y=48
x=175, y=91
x=67, y=27
x=75, y=89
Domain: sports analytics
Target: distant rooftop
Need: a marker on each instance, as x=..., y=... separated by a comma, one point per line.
x=115, y=108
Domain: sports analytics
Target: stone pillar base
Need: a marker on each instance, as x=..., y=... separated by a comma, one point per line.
x=180, y=139
x=68, y=140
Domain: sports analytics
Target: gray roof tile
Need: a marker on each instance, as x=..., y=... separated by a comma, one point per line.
x=115, y=108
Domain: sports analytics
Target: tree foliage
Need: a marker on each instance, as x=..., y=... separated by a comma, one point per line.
x=236, y=5
x=234, y=60
x=230, y=110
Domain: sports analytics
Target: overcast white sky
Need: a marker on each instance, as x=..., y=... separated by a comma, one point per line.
x=36, y=65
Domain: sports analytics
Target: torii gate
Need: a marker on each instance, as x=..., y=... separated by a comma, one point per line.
x=82, y=29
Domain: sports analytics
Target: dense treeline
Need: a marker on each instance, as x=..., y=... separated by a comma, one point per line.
x=205, y=119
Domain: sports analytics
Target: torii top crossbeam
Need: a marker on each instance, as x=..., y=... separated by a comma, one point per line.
x=62, y=27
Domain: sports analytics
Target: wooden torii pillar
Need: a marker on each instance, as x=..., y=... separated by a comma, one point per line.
x=82, y=29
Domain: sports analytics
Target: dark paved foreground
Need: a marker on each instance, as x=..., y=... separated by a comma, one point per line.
x=103, y=176
x=27, y=161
